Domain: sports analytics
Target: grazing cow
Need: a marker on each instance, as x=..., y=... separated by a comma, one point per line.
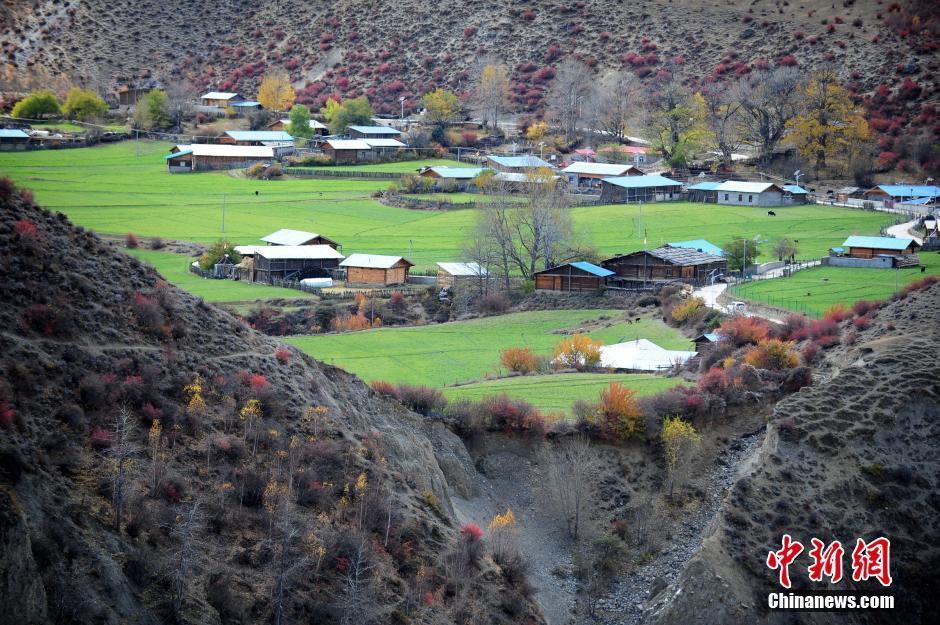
x=771, y=213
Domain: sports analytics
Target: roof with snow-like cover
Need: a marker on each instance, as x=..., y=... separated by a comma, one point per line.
x=463, y=269
x=520, y=162
x=457, y=173
x=599, y=169
x=705, y=186
x=641, y=182
x=348, y=144
x=259, y=135
x=375, y=130
x=740, y=186
x=297, y=252
x=286, y=236
x=219, y=149
x=373, y=261
x=385, y=143
x=219, y=95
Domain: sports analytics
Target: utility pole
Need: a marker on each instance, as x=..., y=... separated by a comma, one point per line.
x=224, y=197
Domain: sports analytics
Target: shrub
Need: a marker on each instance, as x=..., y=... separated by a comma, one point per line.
x=148, y=311
x=809, y=353
x=156, y=243
x=744, y=330
x=793, y=325
x=6, y=415
x=863, y=307
x=504, y=413
x=618, y=413
x=422, y=399
x=577, y=352
x=520, y=359
x=28, y=234
x=689, y=310
x=216, y=252
x=255, y=171
x=772, y=354
x=493, y=304
x=836, y=314
x=282, y=354
x=131, y=241
x=48, y=320
x=860, y=323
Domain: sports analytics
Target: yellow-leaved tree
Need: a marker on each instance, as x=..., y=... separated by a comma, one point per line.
x=679, y=440
x=829, y=124
x=536, y=131
x=492, y=92
x=276, y=92
x=578, y=352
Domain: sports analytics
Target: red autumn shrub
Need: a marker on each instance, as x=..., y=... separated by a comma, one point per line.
x=618, y=413
x=920, y=285
x=500, y=412
x=471, y=532
x=422, y=399
x=860, y=323
x=469, y=138
x=469, y=32
x=131, y=241
x=744, y=330
x=258, y=383
x=714, y=381
x=787, y=61
x=836, y=313
x=826, y=341
x=27, y=233
x=100, y=438
x=48, y=320
x=6, y=415
x=528, y=15
x=863, y=307
x=809, y=353
x=282, y=354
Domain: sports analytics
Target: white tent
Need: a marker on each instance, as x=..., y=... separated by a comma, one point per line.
x=641, y=355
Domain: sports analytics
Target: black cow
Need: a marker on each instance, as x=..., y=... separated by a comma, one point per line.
x=771, y=213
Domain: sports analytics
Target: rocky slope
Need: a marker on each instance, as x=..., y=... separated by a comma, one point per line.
x=389, y=49
x=855, y=455
x=340, y=514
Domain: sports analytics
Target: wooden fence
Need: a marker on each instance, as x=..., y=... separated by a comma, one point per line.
x=316, y=172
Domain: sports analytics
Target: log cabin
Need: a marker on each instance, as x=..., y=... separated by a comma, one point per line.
x=664, y=264
x=375, y=269
x=579, y=277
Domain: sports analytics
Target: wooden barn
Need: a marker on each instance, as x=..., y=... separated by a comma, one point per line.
x=795, y=194
x=205, y=156
x=451, y=275
x=625, y=189
x=276, y=263
x=285, y=236
x=869, y=247
x=589, y=175
x=220, y=99
x=373, y=132
x=375, y=269
x=738, y=193
x=704, y=192
x=578, y=276
x=13, y=139
x=256, y=137
x=665, y=264
x=347, y=150
x=318, y=128
x=706, y=342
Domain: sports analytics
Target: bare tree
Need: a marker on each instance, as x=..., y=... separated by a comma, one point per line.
x=674, y=119
x=613, y=104
x=568, y=95
x=187, y=530
x=491, y=92
x=357, y=603
x=724, y=118
x=121, y=453
x=570, y=469
x=768, y=100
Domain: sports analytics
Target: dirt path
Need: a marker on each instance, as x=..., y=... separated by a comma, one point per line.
x=624, y=606
x=903, y=231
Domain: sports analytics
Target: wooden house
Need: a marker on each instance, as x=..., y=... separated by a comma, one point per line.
x=374, y=269
x=795, y=194
x=206, y=156
x=706, y=342
x=651, y=188
x=589, y=175
x=346, y=150
x=845, y=194
x=373, y=132
x=869, y=247
x=665, y=264
x=318, y=128
x=889, y=194
x=129, y=95
x=700, y=245
x=285, y=236
x=578, y=276
x=739, y=193
x=277, y=263
x=704, y=192
x=256, y=137
x=220, y=99
x=13, y=139
x=516, y=164
x=451, y=275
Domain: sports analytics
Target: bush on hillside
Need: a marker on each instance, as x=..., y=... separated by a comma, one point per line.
x=520, y=359
x=772, y=354
x=742, y=331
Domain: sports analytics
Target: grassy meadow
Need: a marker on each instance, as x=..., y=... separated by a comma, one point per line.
x=556, y=393
x=123, y=187
x=812, y=291
x=462, y=351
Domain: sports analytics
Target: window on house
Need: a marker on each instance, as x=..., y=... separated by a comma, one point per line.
x=726, y=197
x=740, y=197
x=750, y=199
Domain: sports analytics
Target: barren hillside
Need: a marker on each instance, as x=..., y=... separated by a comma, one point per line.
x=403, y=48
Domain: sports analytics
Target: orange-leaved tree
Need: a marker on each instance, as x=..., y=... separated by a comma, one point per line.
x=618, y=413
x=578, y=352
x=772, y=354
x=521, y=359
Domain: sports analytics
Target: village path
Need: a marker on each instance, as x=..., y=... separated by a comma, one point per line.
x=903, y=231
x=712, y=293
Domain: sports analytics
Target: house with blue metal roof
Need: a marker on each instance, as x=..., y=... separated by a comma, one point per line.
x=890, y=194
x=868, y=247
x=516, y=164
x=580, y=277
x=650, y=188
x=13, y=139
x=795, y=194
x=706, y=342
x=701, y=245
x=704, y=192
x=373, y=132
x=256, y=137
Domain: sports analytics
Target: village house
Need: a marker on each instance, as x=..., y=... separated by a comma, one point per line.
x=318, y=128
x=454, y=275
x=459, y=177
x=383, y=146
x=700, y=245
x=207, y=156
x=272, y=264
x=845, y=194
x=246, y=107
x=577, y=276
x=589, y=175
x=740, y=193
x=875, y=253
x=375, y=269
x=129, y=94
x=704, y=192
x=889, y=194
x=220, y=99
x=373, y=132
x=257, y=137
x=665, y=264
x=517, y=164
x=705, y=343
x=346, y=151
x=649, y=188
x=795, y=194
x=13, y=139
x=285, y=236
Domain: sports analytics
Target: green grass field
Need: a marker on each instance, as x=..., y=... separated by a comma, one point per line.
x=175, y=268
x=112, y=189
x=467, y=350
x=556, y=393
x=812, y=291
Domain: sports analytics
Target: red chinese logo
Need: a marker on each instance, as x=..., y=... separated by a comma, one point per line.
x=826, y=562
x=872, y=559
x=869, y=560
x=783, y=558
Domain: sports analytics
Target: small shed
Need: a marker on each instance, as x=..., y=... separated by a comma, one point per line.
x=383, y=146
x=650, y=188
x=453, y=275
x=13, y=139
x=869, y=247
x=665, y=264
x=375, y=269
x=458, y=174
x=739, y=193
x=318, y=128
x=346, y=150
x=517, y=164
x=285, y=236
x=844, y=194
x=704, y=192
x=277, y=263
x=706, y=342
x=589, y=175
x=256, y=137
x=220, y=99
x=795, y=194
x=578, y=276
x=373, y=132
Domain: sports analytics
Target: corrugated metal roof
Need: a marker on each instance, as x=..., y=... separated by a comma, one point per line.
x=286, y=236
x=701, y=245
x=249, y=250
x=13, y=133
x=221, y=149
x=259, y=135
x=348, y=144
x=316, y=125
x=918, y=201
x=463, y=269
x=795, y=189
x=739, y=186
x=375, y=130
x=907, y=190
x=525, y=161
x=705, y=186
x=372, y=261
x=641, y=182
x=709, y=336
x=681, y=256
x=507, y=176
x=459, y=173
x=247, y=103
x=887, y=243
x=591, y=268
x=599, y=169
x=642, y=355
x=305, y=252
x=180, y=153
x=848, y=190
x=219, y=95
x=385, y=143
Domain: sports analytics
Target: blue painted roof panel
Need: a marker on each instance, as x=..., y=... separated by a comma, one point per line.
x=704, y=186
x=907, y=190
x=259, y=135
x=642, y=182
x=591, y=268
x=701, y=245
x=886, y=243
